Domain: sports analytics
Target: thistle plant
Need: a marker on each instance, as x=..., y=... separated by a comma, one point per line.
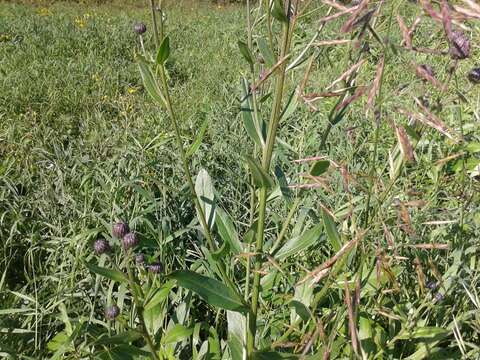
x=266, y=304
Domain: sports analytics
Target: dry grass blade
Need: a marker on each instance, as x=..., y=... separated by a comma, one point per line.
x=268, y=73
x=405, y=145
x=433, y=121
x=427, y=6
x=335, y=16
x=412, y=29
x=376, y=83
x=353, y=18
x=317, y=96
x=405, y=221
x=319, y=272
x=420, y=274
x=332, y=42
x=447, y=19
x=448, y=158
x=351, y=319
x=347, y=73
x=421, y=72
x=335, y=5
x=405, y=32
x=467, y=13
x=431, y=246
x=473, y=5
x=314, y=158
x=358, y=93
x=439, y=222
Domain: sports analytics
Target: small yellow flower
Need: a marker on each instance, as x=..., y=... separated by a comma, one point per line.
x=96, y=77
x=132, y=90
x=5, y=37
x=80, y=22
x=43, y=11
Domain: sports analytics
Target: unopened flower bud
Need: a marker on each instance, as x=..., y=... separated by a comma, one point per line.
x=120, y=229
x=156, y=268
x=474, y=75
x=459, y=46
x=101, y=246
x=139, y=28
x=140, y=259
x=129, y=240
x=112, y=312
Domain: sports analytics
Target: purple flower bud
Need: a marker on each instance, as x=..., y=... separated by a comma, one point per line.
x=139, y=28
x=112, y=312
x=129, y=240
x=120, y=229
x=474, y=75
x=156, y=268
x=101, y=246
x=459, y=46
x=140, y=259
x=432, y=285
x=439, y=297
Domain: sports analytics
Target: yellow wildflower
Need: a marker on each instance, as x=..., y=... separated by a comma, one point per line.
x=43, y=11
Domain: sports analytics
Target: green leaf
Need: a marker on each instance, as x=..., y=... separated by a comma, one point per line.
x=122, y=338
x=212, y=291
x=260, y=177
x=319, y=167
x=205, y=193
x=163, y=51
x=273, y=355
x=108, y=273
x=198, y=140
x=278, y=12
x=160, y=295
x=221, y=253
x=266, y=52
x=427, y=332
x=299, y=243
x=246, y=108
x=177, y=334
x=150, y=82
x=227, y=231
x=331, y=230
x=246, y=53
x=236, y=334
x=291, y=106
x=473, y=147
x=300, y=309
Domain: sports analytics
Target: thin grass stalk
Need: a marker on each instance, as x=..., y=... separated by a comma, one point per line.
x=266, y=160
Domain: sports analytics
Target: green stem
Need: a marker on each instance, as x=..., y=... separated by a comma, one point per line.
x=139, y=306
x=266, y=160
x=186, y=169
x=285, y=225
x=154, y=22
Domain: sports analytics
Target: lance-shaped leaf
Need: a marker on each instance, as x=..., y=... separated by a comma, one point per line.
x=246, y=53
x=278, y=11
x=163, y=51
x=331, y=230
x=212, y=291
x=205, y=193
x=227, y=231
x=149, y=81
x=299, y=243
x=319, y=167
x=246, y=108
x=108, y=273
x=260, y=176
x=266, y=52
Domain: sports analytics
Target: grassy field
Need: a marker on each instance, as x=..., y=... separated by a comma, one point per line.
x=82, y=146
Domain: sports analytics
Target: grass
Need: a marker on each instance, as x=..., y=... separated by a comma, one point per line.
x=82, y=145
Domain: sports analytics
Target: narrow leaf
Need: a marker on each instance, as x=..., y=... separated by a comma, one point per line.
x=227, y=231
x=319, y=167
x=108, y=273
x=299, y=243
x=260, y=177
x=331, y=230
x=278, y=12
x=150, y=83
x=246, y=53
x=205, y=193
x=212, y=291
x=266, y=52
x=176, y=334
x=163, y=51
x=198, y=140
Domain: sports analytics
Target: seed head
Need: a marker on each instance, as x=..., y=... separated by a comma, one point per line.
x=129, y=240
x=474, y=75
x=101, y=246
x=139, y=28
x=120, y=229
x=459, y=46
x=140, y=259
x=112, y=312
x=156, y=268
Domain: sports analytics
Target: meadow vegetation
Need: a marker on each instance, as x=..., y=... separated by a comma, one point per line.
x=295, y=188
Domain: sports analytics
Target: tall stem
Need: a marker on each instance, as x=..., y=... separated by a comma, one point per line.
x=266, y=160
x=186, y=169
x=154, y=22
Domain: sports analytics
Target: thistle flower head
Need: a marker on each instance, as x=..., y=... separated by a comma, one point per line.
x=139, y=28
x=474, y=75
x=156, y=268
x=120, y=229
x=130, y=240
x=101, y=246
x=112, y=312
x=459, y=46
